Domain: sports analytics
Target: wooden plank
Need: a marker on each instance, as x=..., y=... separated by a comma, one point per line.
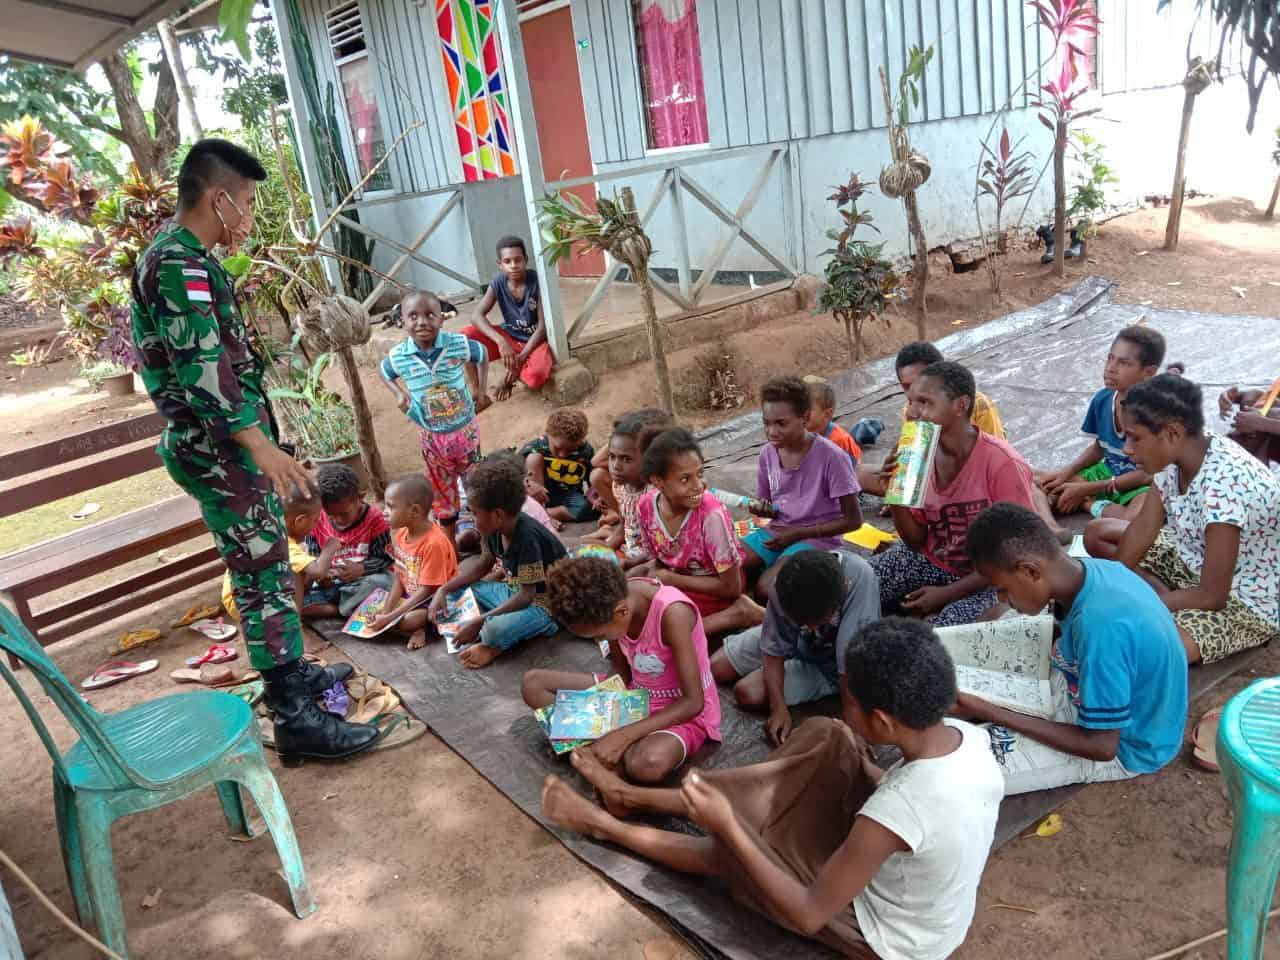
x=758, y=84
x=875, y=27
x=841, y=89
x=36, y=493
x=86, y=443
x=427, y=231
x=970, y=89
x=717, y=79
x=777, y=103
x=793, y=54
x=422, y=258
x=671, y=161
x=860, y=88
x=681, y=236
x=817, y=69
x=626, y=77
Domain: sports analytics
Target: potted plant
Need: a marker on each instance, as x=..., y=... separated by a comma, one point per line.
x=1089, y=198
x=321, y=423
x=110, y=377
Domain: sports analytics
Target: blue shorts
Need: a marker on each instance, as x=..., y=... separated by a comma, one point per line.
x=505, y=631
x=755, y=542
x=575, y=501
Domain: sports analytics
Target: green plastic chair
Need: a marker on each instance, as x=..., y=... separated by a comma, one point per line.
x=139, y=759
x=1249, y=755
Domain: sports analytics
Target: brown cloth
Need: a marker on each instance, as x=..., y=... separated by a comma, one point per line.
x=800, y=805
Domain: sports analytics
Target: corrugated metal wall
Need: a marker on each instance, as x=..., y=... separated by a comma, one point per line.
x=790, y=69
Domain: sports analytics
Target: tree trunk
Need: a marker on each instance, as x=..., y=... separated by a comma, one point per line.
x=1060, y=201
x=151, y=153
x=1179, y=175
x=666, y=399
x=364, y=424
x=1275, y=195
x=849, y=343
x=173, y=52
x=920, y=271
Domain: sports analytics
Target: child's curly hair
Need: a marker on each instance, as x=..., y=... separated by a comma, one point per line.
x=496, y=483
x=569, y=424
x=585, y=590
x=336, y=482
x=790, y=390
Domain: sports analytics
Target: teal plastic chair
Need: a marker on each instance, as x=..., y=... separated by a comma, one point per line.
x=1249, y=755
x=139, y=759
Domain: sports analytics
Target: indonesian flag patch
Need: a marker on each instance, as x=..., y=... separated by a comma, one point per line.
x=196, y=282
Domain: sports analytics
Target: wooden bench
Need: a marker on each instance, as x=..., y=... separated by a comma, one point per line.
x=51, y=471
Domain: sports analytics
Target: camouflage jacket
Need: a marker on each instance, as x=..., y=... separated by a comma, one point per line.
x=197, y=362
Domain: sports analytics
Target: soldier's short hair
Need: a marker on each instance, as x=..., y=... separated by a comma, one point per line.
x=212, y=163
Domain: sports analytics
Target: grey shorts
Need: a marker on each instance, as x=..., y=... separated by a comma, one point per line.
x=347, y=596
x=802, y=681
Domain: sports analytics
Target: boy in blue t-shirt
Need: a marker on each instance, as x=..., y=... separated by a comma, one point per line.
x=521, y=339
x=1120, y=669
x=432, y=374
x=1103, y=480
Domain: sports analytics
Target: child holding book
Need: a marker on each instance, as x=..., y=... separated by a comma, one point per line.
x=689, y=534
x=822, y=396
x=619, y=481
x=431, y=374
x=819, y=602
x=522, y=339
x=516, y=609
x=1102, y=479
x=362, y=562
x=557, y=465
x=1120, y=673
x=873, y=863
x=929, y=574
x=806, y=482
x=656, y=642
x=424, y=560
x=300, y=517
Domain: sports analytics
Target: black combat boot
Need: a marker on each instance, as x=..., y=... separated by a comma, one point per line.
x=319, y=679
x=302, y=729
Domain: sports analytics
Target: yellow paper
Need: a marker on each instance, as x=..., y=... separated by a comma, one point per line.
x=869, y=537
x=1049, y=826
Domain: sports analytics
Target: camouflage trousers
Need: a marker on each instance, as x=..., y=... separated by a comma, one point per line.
x=246, y=518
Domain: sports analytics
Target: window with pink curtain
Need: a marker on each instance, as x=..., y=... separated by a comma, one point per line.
x=671, y=72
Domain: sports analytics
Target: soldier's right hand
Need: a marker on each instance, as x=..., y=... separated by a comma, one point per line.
x=285, y=473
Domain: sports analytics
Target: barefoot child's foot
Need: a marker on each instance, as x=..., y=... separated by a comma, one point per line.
x=750, y=610
x=567, y=809
x=610, y=787
x=417, y=640
x=480, y=655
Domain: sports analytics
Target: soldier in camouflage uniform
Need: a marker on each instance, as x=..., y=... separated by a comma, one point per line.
x=221, y=443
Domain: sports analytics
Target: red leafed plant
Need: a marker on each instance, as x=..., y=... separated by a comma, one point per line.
x=18, y=239
x=37, y=171
x=1066, y=20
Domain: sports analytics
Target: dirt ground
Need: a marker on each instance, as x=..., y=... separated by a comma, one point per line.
x=411, y=854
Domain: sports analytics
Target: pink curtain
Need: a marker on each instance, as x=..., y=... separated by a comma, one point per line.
x=671, y=69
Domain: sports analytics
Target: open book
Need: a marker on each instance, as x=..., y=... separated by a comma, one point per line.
x=361, y=618
x=544, y=715
x=1005, y=662
x=456, y=614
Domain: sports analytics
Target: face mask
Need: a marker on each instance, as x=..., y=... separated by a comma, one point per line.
x=234, y=241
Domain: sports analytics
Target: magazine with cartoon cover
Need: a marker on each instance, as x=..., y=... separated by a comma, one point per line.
x=590, y=714
x=456, y=614
x=359, y=623
x=544, y=714
x=1005, y=661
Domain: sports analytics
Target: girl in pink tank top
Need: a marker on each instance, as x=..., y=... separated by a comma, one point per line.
x=656, y=642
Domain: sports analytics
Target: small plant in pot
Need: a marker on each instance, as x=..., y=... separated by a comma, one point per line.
x=320, y=423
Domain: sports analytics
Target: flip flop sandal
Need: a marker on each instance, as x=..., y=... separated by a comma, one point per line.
x=381, y=701
x=196, y=613
x=396, y=729
x=210, y=675
x=251, y=692
x=217, y=653
x=315, y=658
x=135, y=638
x=116, y=671
x=214, y=629
x=363, y=685
x=1205, y=739
x=266, y=731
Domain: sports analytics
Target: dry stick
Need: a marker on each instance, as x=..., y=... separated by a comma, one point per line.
x=1183, y=948
x=920, y=269
x=661, y=373
x=52, y=908
x=1180, y=172
x=1060, y=198
x=1275, y=195
x=367, y=177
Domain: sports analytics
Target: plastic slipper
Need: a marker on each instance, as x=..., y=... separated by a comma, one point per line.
x=86, y=510
x=380, y=701
x=214, y=629
x=1205, y=738
x=196, y=613
x=251, y=692
x=362, y=685
x=135, y=638
x=217, y=653
x=396, y=729
x=115, y=671
x=211, y=675
x=266, y=731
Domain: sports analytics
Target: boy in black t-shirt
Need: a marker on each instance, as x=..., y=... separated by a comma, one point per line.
x=558, y=465
x=515, y=609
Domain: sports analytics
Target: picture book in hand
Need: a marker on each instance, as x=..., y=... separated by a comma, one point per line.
x=1005, y=661
x=456, y=614
x=590, y=714
x=364, y=615
x=544, y=714
x=916, y=449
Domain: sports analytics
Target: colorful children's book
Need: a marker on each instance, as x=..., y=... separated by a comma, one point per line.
x=359, y=623
x=1005, y=661
x=544, y=714
x=743, y=527
x=916, y=449
x=590, y=714
x=456, y=614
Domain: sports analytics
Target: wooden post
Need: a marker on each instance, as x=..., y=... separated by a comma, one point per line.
x=666, y=399
x=1060, y=200
x=532, y=178
x=1275, y=195
x=173, y=53
x=1179, y=174
x=369, y=451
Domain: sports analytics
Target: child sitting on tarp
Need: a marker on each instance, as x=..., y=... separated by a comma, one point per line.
x=805, y=482
x=557, y=465
x=1120, y=673
x=300, y=517
x=689, y=534
x=819, y=601
x=617, y=480
x=362, y=562
x=873, y=863
x=929, y=574
x=1102, y=479
x=424, y=560
x=656, y=642
x=822, y=397
x=515, y=609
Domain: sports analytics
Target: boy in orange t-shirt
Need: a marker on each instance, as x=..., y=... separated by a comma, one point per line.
x=424, y=559
x=821, y=409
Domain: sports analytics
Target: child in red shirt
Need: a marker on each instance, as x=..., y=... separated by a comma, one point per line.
x=360, y=561
x=820, y=422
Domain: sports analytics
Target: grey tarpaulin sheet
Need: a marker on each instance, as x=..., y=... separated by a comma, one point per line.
x=1040, y=365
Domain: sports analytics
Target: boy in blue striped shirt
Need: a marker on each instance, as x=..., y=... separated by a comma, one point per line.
x=439, y=380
